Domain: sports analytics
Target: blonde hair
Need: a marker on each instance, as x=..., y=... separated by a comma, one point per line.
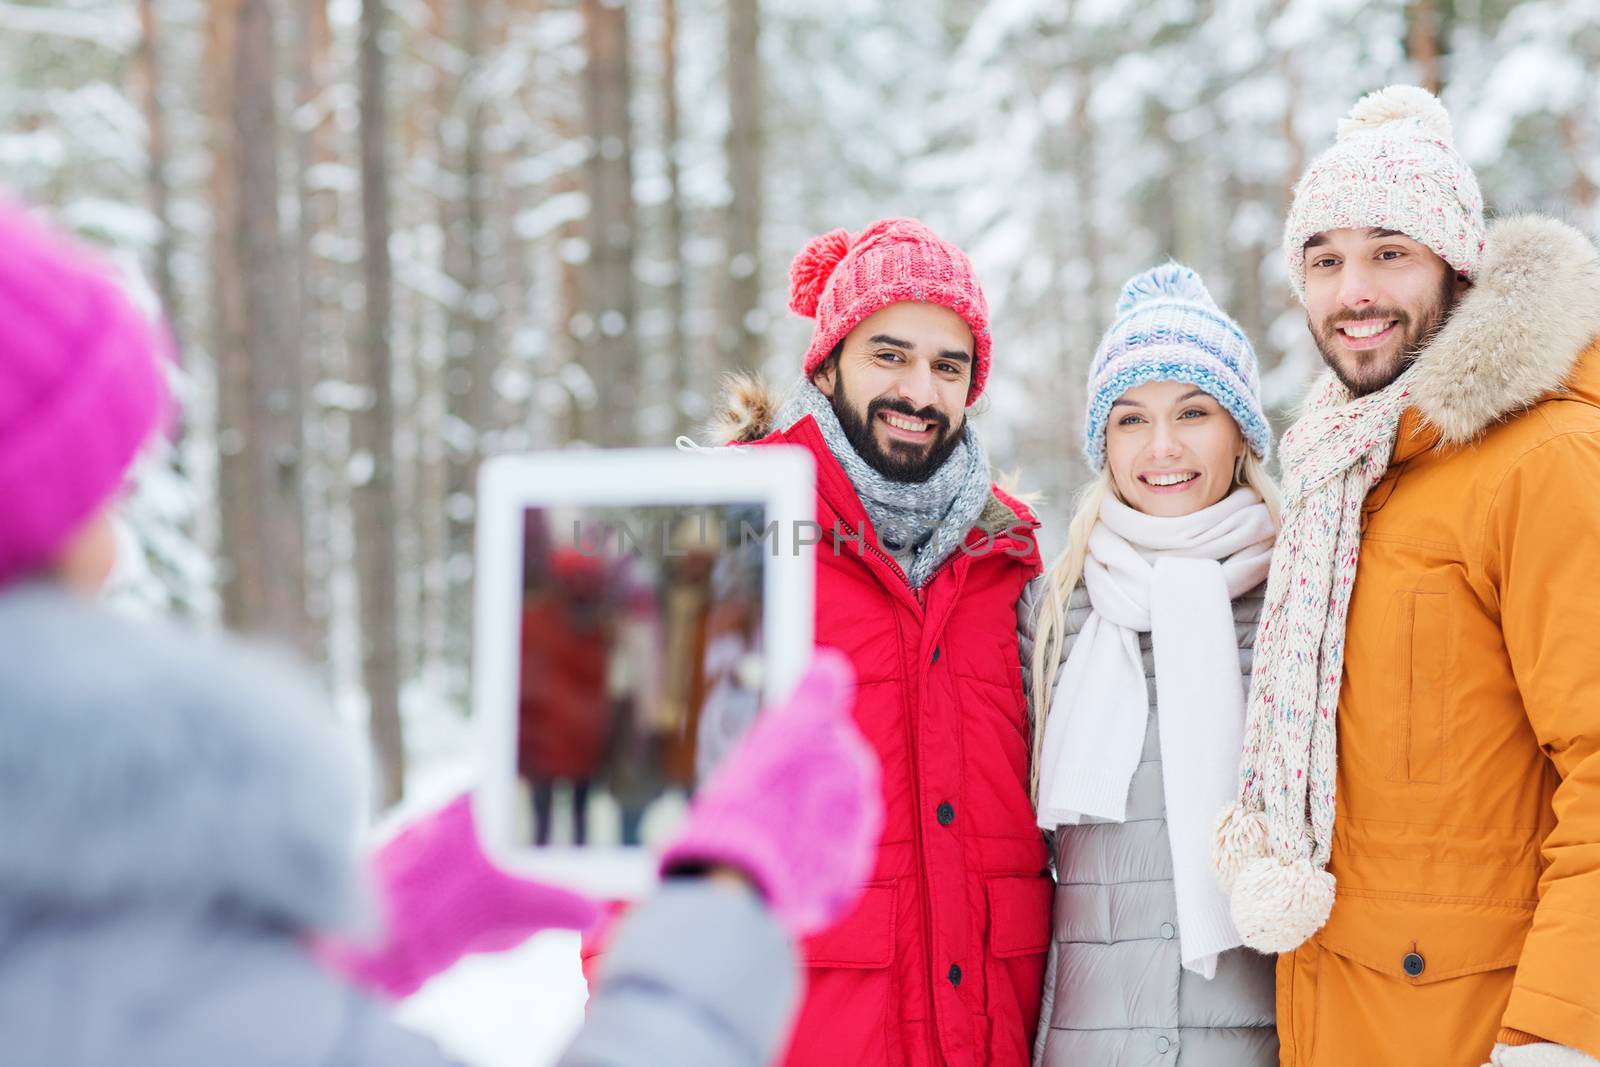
x=1066, y=570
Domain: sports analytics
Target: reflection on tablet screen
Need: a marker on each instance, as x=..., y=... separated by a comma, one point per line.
x=641, y=663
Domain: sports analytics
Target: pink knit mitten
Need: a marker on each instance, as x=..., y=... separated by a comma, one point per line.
x=797, y=805
x=443, y=899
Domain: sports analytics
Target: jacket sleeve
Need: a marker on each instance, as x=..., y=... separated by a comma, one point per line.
x=1027, y=625
x=1542, y=551
x=1074, y=613
x=699, y=975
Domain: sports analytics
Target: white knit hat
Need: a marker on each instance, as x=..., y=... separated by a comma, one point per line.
x=1395, y=166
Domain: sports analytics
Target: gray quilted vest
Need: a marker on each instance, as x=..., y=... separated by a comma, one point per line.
x=1115, y=991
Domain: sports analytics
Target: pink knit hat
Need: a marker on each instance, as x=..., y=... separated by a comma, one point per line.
x=81, y=389
x=839, y=280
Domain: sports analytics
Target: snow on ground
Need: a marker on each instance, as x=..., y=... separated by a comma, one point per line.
x=511, y=1009
x=521, y=1008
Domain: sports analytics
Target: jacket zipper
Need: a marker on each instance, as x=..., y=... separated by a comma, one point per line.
x=951, y=559
x=880, y=553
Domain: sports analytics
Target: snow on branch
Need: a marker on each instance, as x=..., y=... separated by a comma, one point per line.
x=115, y=33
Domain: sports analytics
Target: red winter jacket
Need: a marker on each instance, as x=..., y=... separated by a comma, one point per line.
x=943, y=961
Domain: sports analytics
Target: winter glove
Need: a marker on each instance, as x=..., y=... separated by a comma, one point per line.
x=797, y=806
x=441, y=899
x=1542, y=1054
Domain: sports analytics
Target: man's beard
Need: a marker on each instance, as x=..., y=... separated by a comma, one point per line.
x=1415, y=336
x=900, y=462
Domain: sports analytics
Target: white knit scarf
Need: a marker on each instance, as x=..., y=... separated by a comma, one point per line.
x=1272, y=846
x=1175, y=578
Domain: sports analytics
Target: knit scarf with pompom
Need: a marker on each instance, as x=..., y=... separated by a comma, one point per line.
x=1273, y=844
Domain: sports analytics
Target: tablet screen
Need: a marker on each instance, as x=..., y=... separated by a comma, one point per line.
x=640, y=663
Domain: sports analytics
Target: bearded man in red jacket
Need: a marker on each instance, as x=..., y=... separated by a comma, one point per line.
x=920, y=566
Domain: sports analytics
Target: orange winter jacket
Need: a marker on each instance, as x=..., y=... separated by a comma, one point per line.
x=1467, y=841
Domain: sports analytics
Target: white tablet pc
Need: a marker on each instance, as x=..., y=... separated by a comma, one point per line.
x=633, y=609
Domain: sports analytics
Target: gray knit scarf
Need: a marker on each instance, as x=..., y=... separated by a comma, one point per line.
x=934, y=515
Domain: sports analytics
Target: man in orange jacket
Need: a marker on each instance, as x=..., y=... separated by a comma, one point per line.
x=1431, y=875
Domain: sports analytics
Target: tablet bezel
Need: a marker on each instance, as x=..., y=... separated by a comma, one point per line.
x=780, y=478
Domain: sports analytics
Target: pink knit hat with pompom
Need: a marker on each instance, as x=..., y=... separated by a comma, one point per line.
x=839, y=280
x=81, y=389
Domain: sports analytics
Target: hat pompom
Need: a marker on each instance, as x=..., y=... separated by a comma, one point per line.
x=1397, y=103
x=1277, y=906
x=1170, y=281
x=811, y=269
x=1239, y=838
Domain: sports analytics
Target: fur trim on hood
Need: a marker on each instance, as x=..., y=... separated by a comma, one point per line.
x=1516, y=335
x=145, y=765
x=747, y=410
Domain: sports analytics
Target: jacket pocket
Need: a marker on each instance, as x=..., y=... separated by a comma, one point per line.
x=1019, y=914
x=1450, y=937
x=1394, y=972
x=1424, y=640
x=851, y=1010
x=1018, y=946
x=864, y=939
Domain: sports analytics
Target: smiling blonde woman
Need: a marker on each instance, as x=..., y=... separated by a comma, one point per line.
x=1136, y=657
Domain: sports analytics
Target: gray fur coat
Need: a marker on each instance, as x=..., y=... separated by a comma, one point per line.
x=180, y=811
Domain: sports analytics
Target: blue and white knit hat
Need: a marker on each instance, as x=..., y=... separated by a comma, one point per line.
x=1168, y=329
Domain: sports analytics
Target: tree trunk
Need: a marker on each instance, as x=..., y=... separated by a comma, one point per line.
x=231, y=368
x=743, y=325
x=573, y=283
x=1289, y=73
x=414, y=333
x=1086, y=179
x=319, y=322
x=1424, y=42
x=258, y=380
x=573, y=303
x=277, y=570
x=147, y=64
x=682, y=377
x=1244, y=263
x=486, y=247
x=1582, y=192
x=470, y=346
x=612, y=356
x=440, y=634
x=372, y=497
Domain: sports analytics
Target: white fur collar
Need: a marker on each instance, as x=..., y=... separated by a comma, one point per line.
x=1517, y=333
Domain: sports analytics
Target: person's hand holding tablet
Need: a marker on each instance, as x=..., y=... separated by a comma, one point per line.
x=795, y=811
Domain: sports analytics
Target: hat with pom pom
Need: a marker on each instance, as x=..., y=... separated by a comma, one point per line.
x=1168, y=329
x=840, y=280
x=1393, y=166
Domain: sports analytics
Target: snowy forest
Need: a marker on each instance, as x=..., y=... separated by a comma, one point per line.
x=393, y=238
